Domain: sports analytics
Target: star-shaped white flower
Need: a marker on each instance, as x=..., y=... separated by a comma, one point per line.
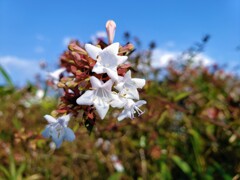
x=127, y=86
x=131, y=108
x=57, y=129
x=100, y=96
x=55, y=75
x=107, y=59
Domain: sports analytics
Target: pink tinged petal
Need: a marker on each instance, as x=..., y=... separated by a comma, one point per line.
x=112, y=49
x=95, y=82
x=108, y=85
x=86, y=98
x=50, y=119
x=139, y=82
x=98, y=68
x=92, y=51
x=121, y=59
x=110, y=28
x=101, y=107
x=112, y=73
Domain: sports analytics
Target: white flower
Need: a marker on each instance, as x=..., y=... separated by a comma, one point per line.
x=131, y=108
x=57, y=129
x=107, y=59
x=55, y=75
x=117, y=164
x=100, y=96
x=128, y=86
x=118, y=101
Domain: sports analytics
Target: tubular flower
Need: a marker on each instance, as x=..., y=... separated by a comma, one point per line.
x=100, y=96
x=127, y=86
x=57, y=129
x=107, y=59
x=131, y=108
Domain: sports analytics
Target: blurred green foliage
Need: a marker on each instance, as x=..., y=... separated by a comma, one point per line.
x=190, y=130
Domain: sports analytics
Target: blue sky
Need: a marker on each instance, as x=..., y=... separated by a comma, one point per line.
x=34, y=30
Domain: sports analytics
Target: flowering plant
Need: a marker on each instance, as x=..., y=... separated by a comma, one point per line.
x=93, y=79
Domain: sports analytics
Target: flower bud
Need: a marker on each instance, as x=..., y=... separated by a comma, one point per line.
x=75, y=47
x=110, y=28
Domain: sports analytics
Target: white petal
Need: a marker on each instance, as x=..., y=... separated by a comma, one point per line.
x=119, y=86
x=108, y=85
x=112, y=73
x=101, y=107
x=113, y=48
x=117, y=102
x=55, y=75
x=86, y=98
x=50, y=119
x=98, y=68
x=128, y=75
x=95, y=82
x=123, y=115
x=121, y=59
x=140, y=103
x=139, y=82
x=57, y=138
x=46, y=132
x=69, y=134
x=93, y=51
x=132, y=93
x=66, y=119
x=108, y=59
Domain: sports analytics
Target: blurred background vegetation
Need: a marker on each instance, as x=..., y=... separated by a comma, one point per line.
x=190, y=128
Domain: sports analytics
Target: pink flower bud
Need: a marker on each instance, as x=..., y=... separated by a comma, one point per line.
x=110, y=28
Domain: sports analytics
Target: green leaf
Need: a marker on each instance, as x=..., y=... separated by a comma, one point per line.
x=162, y=117
x=12, y=166
x=115, y=176
x=181, y=96
x=182, y=164
x=165, y=172
x=6, y=76
x=5, y=171
x=21, y=170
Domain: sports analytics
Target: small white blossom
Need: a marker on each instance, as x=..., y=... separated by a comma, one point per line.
x=55, y=75
x=107, y=59
x=117, y=164
x=57, y=129
x=131, y=108
x=127, y=86
x=100, y=96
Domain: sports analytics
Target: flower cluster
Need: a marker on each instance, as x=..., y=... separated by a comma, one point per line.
x=93, y=79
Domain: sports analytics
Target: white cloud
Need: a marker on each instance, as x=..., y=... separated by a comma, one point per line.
x=20, y=70
x=40, y=37
x=162, y=57
x=170, y=44
x=39, y=49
